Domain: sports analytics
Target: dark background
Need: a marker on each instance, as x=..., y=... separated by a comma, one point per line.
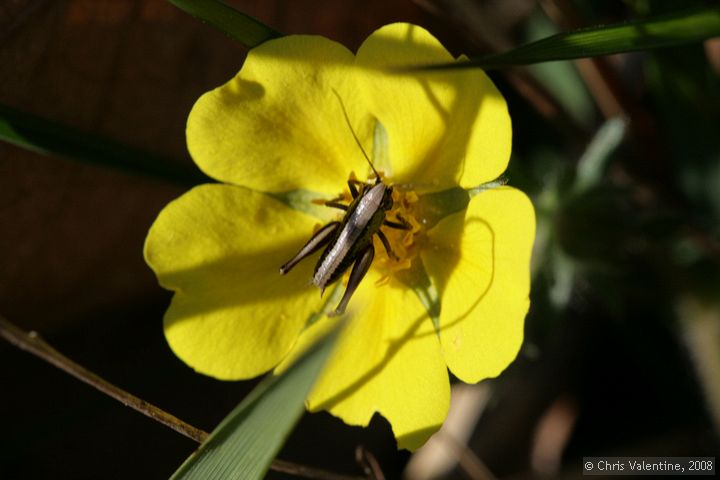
x=614, y=358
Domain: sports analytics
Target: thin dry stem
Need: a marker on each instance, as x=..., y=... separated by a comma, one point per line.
x=369, y=463
x=32, y=343
x=469, y=462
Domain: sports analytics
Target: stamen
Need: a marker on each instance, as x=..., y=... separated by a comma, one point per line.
x=403, y=242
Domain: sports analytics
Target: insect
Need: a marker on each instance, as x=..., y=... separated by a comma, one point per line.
x=350, y=241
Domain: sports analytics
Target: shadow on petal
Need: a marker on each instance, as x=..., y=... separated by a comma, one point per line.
x=392, y=348
x=239, y=91
x=470, y=300
x=236, y=280
x=446, y=128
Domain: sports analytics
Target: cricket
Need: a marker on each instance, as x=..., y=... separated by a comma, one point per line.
x=349, y=242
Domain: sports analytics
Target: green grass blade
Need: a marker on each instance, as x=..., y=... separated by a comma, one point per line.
x=43, y=136
x=666, y=31
x=247, y=440
x=594, y=161
x=239, y=26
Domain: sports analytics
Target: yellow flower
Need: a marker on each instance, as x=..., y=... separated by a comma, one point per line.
x=276, y=137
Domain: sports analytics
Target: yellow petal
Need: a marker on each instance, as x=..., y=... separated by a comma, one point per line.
x=480, y=263
x=444, y=128
x=219, y=247
x=277, y=125
x=387, y=361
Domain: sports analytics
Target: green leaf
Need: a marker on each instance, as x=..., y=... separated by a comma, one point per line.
x=43, y=136
x=665, y=31
x=594, y=160
x=417, y=278
x=237, y=25
x=434, y=206
x=247, y=440
x=306, y=201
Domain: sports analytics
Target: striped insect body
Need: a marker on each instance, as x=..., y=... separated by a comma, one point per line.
x=349, y=238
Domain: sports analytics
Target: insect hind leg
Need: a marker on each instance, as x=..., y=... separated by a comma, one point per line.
x=360, y=268
x=320, y=239
x=336, y=204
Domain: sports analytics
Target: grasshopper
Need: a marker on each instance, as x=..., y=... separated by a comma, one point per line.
x=350, y=241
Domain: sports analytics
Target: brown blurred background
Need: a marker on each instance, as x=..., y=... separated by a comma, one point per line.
x=71, y=262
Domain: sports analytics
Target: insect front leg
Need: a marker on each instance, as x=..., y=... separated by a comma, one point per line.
x=360, y=268
x=387, y=246
x=353, y=188
x=320, y=239
x=401, y=224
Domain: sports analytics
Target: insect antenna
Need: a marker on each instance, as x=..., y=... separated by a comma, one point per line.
x=357, y=140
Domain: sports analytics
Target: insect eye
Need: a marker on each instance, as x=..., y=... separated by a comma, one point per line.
x=387, y=202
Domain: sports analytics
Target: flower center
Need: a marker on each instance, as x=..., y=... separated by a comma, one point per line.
x=403, y=242
x=404, y=232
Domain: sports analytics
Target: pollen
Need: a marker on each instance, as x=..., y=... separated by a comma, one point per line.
x=403, y=242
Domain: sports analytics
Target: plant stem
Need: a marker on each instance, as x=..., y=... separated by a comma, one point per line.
x=32, y=343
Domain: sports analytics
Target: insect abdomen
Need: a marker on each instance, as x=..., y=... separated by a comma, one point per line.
x=361, y=223
x=323, y=278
